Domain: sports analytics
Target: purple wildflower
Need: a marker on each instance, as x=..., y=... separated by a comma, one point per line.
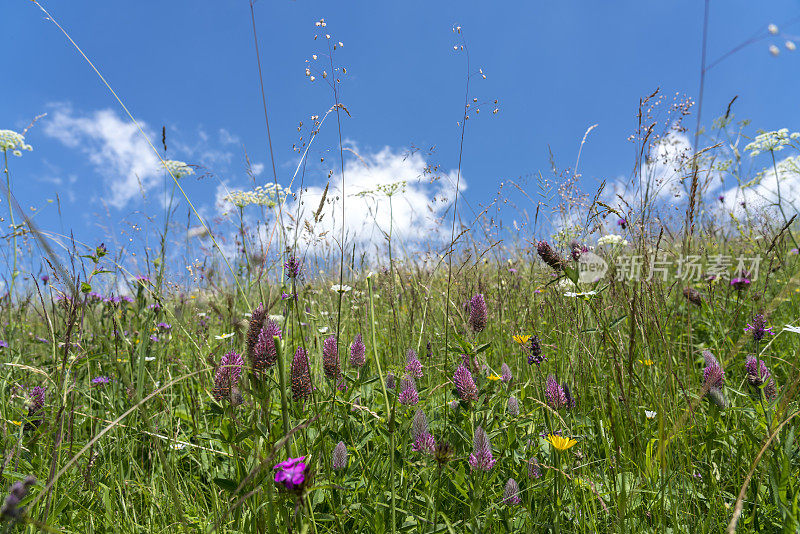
x=358, y=352
x=164, y=326
x=419, y=425
x=413, y=365
x=330, y=358
x=505, y=373
x=465, y=385
x=408, y=393
x=478, y=314
x=254, y=329
x=759, y=327
x=301, y=376
x=758, y=374
x=511, y=493
x=101, y=380
x=265, y=353
x=19, y=490
x=534, y=471
x=390, y=380
x=227, y=376
x=340, y=456
x=713, y=374
x=45, y=278
x=154, y=338
x=512, y=408
x=550, y=256
x=481, y=457
x=571, y=402
x=291, y=473
x=293, y=267
x=3, y=344
x=622, y=223
x=740, y=283
x=424, y=443
x=535, y=351
x=556, y=397
x=577, y=250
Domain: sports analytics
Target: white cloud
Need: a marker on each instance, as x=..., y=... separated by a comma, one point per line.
x=764, y=193
x=227, y=138
x=257, y=168
x=661, y=175
x=114, y=146
x=416, y=208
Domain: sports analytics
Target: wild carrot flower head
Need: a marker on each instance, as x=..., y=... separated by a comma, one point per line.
x=178, y=169
x=265, y=353
x=512, y=408
x=481, y=457
x=358, y=352
x=413, y=365
x=511, y=493
x=293, y=267
x=227, y=375
x=13, y=141
x=340, y=456
x=465, y=385
x=550, y=256
x=254, y=329
x=301, y=376
x=554, y=393
x=330, y=358
x=758, y=327
x=290, y=474
x=478, y=314
x=505, y=373
x=713, y=374
x=408, y=392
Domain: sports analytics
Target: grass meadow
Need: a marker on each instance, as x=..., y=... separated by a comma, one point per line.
x=627, y=367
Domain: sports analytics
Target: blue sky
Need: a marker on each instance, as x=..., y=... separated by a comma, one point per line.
x=555, y=68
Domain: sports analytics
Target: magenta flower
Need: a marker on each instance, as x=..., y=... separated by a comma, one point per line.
x=358, y=352
x=511, y=493
x=413, y=365
x=465, y=385
x=481, y=457
x=478, y=314
x=713, y=374
x=554, y=393
x=408, y=393
x=758, y=327
x=291, y=473
x=227, y=376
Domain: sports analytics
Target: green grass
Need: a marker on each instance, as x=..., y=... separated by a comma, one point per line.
x=153, y=451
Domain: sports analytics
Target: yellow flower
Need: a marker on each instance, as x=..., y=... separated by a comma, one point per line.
x=522, y=338
x=18, y=423
x=647, y=362
x=561, y=443
x=493, y=377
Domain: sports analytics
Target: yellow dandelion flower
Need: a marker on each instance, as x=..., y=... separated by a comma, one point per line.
x=561, y=443
x=493, y=377
x=522, y=338
x=18, y=423
x=647, y=362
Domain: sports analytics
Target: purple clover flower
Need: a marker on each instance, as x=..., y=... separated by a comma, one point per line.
x=481, y=457
x=408, y=393
x=511, y=493
x=478, y=314
x=358, y=352
x=554, y=393
x=465, y=385
x=413, y=365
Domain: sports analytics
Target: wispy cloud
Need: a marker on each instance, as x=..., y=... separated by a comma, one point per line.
x=114, y=147
x=412, y=212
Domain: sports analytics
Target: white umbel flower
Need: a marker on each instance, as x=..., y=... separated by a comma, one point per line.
x=612, y=239
x=13, y=141
x=178, y=169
